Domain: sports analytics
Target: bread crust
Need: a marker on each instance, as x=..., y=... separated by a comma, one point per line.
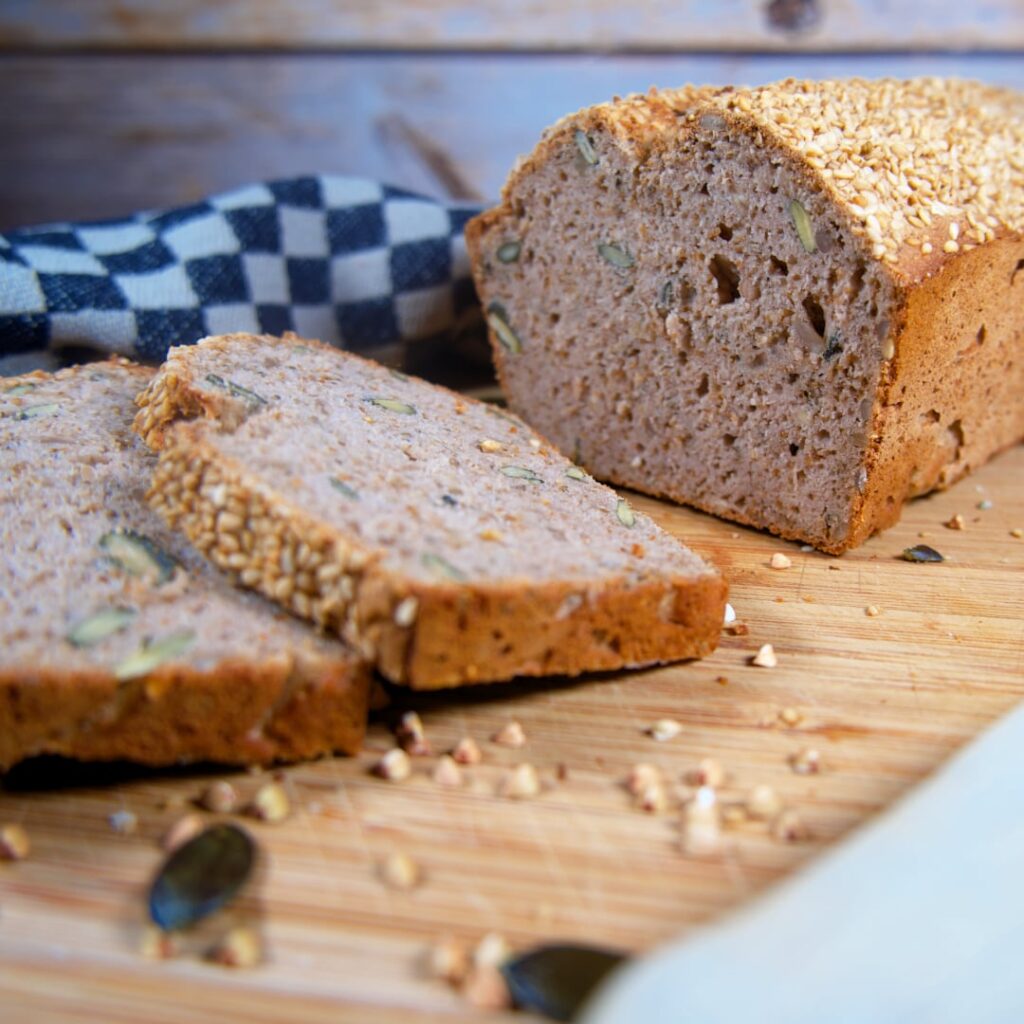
x=457, y=634
x=950, y=272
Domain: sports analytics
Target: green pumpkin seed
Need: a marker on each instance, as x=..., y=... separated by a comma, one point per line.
x=398, y=375
x=803, y=226
x=575, y=473
x=20, y=389
x=100, y=625
x=666, y=294
x=921, y=553
x=497, y=320
x=236, y=390
x=441, y=566
x=394, y=405
x=586, y=147
x=37, y=412
x=521, y=473
x=201, y=876
x=615, y=255
x=556, y=980
x=625, y=513
x=509, y=252
x=138, y=555
x=151, y=656
x=343, y=488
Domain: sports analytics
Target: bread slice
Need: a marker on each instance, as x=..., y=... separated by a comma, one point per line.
x=794, y=306
x=121, y=641
x=439, y=535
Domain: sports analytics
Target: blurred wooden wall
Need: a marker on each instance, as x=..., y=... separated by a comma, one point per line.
x=108, y=106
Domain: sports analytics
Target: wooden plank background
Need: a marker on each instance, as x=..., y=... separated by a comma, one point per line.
x=609, y=25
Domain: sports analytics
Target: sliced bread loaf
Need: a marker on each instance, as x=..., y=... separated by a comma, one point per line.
x=794, y=306
x=121, y=641
x=442, y=537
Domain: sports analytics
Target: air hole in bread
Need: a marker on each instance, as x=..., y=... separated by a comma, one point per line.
x=779, y=267
x=980, y=337
x=1016, y=270
x=815, y=314
x=727, y=277
x=724, y=232
x=702, y=387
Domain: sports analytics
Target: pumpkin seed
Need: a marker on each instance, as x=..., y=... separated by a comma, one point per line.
x=441, y=566
x=100, y=625
x=138, y=555
x=236, y=390
x=666, y=294
x=201, y=876
x=556, y=980
x=151, y=656
x=586, y=147
x=509, y=252
x=497, y=320
x=921, y=553
x=37, y=412
x=394, y=405
x=20, y=389
x=625, y=513
x=398, y=375
x=343, y=488
x=575, y=473
x=804, y=228
x=521, y=473
x=615, y=255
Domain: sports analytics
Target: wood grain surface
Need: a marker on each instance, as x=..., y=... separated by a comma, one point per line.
x=87, y=137
x=609, y=25
x=884, y=700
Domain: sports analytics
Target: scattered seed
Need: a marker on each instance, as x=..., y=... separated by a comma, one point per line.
x=14, y=842
x=448, y=960
x=406, y=611
x=556, y=980
x=921, y=553
x=708, y=772
x=765, y=657
x=508, y=252
x=201, y=876
x=802, y=223
x=585, y=146
x=521, y=473
x=575, y=473
x=400, y=871
x=394, y=766
x=241, y=947
x=730, y=615
x=520, y=783
x=235, y=390
x=510, y=735
x=985, y=504
x=806, y=761
x=956, y=523
x=652, y=799
x=124, y=823
x=138, y=556
x=616, y=255
x=187, y=827
x=788, y=827
x=702, y=824
x=220, y=797
x=489, y=445
x=156, y=944
x=270, y=804
x=781, y=561
x=497, y=320
x=467, y=751
x=625, y=513
x=641, y=776
x=36, y=412
x=411, y=736
x=1017, y=533
x=151, y=656
x=763, y=802
x=664, y=729
x=872, y=611
x=737, y=629
x=343, y=488
x=835, y=568
x=100, y=625
x=790, y=717
x=447, y=773
x=485, y=988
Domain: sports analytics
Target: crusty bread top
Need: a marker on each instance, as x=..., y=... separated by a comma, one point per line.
x=79, y=539
x=901, y=157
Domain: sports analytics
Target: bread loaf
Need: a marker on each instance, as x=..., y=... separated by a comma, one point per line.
x=119, y=640
x=440, y=536
x=794, y=306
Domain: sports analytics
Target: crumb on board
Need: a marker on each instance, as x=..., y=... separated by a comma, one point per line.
x=510, y=735
x=765, y=657
x=220, y=797
x=467, y=751
x=14, y=842
x=664, y=729
x=394, y=765
x=780, y=561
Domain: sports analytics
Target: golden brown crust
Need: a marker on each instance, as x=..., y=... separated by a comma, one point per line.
x=234, y=713
x=418, y=634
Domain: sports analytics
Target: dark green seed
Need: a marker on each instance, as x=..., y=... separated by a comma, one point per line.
x=441, y=566
x=509, y=252
x=236, y=390
x=36, y=412
x=586, y=147
x=19, y=389
x=556, y=980
x=497, y=320
x=201, y=876
x=343, y=488
x=100, y=625
x=615, y=255
x=138, y=555
x=394, y=405
x=921, y=553
x=521, y=473
x=666, y=294
x=398, y=375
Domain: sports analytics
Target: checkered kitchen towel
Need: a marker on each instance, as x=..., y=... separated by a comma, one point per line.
x=352, y=262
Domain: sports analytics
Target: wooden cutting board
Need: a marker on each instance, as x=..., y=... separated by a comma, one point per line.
x=883, y=698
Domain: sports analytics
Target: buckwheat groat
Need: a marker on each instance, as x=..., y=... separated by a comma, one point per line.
x=795, y=306
x=120, y=640
x=440, y=536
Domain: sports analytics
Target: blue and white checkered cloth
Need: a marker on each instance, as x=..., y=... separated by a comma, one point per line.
x=360, y=265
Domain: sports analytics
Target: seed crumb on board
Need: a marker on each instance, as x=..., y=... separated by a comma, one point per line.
x=124, y=823
x=702, y=824
x=730, y=615
x=467, y=751
x=156, y=944
x=780, y=561
x=447, y=773
x=790, y=716
x=448, y=960
x=737, y=629
x=765, y=657
x=220, y=797
x=664, y=729
x=708, y=772
x=955, y=523
x=241, y=947
x=641, y=776
x=1017, y=532
x=806, y=761
x=400, y=871
x=187, y=827
x=14, y=842
x=835, y=568
x=520, y=782
x=652, y=799
x=270, y=803
x=411, y=736
x=763, y=802
x=789, y=827
x=394, y=765
x=510, y=735
x=984, y=504
x=872, y=611
x=485, y=989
